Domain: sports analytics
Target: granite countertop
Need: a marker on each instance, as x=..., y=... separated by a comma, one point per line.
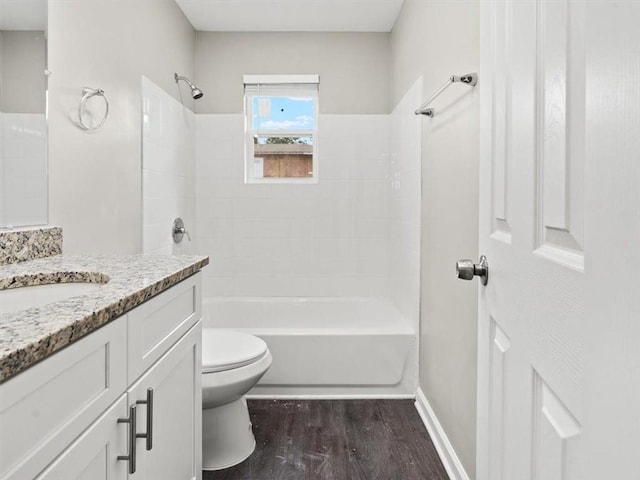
x=29, y=336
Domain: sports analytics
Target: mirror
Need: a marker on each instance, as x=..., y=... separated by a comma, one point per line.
x=23, y=118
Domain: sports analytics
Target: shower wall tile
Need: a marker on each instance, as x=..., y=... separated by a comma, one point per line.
x=325, y=239
x=24, y=161
x=405, y=205
x=2, y=177
x=168, y=171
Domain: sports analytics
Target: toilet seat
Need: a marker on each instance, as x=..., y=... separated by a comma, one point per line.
x=229, y=349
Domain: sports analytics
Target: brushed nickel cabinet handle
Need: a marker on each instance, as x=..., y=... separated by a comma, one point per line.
x=148, y=435
x=131, y=456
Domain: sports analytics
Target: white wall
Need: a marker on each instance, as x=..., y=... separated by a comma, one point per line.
x=353, y=67
x=168, y=171
x=435, y=40
x=404, y=205
x=327, y=239
x=95, y=177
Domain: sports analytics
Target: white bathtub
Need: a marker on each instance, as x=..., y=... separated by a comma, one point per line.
x=325, y=347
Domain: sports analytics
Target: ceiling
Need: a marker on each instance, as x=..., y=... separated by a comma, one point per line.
x=23, y=14
x=291, y=15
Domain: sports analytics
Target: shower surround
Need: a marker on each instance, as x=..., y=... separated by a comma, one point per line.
x=326, y=273
x=168, y=170
x=285, y=240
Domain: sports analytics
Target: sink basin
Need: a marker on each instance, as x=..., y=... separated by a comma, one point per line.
x=16, y=299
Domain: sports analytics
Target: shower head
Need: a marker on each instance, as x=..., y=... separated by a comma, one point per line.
x=196, y=93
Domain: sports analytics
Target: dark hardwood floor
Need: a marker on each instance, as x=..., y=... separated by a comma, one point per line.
x=337, y=440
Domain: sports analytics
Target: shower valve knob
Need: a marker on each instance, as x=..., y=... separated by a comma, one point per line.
x=179, y=231
x=466, y=269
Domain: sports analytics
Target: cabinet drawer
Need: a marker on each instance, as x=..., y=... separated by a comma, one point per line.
x=157, y=324
x=45, y=408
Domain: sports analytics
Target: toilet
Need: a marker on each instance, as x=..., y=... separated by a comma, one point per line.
x=232, y=363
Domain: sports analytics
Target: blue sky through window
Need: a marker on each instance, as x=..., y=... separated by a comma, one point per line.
x=286, y=113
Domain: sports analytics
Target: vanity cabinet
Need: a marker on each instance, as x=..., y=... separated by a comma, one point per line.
x=65, y=418
x=93, y=456
x=174, y=386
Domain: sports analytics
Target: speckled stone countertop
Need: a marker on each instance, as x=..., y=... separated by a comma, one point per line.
x=24, y=244
x=29, y=336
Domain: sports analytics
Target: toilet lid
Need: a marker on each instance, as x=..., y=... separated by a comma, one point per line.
x=228, y=349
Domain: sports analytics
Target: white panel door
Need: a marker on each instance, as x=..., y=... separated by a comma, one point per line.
x=560, y=226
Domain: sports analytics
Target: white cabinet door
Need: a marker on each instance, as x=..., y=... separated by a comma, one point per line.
x=176, y=450
x=559, y=335
x=93, y=456
x=45, y=408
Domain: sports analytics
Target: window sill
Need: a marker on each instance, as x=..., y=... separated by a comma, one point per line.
x=282, y=181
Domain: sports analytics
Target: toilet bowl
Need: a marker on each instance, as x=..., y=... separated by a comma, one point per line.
x=232, y=363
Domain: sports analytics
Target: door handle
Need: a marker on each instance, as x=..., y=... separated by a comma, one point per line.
x=131, y=455
x=466, y=269
x=148, y=435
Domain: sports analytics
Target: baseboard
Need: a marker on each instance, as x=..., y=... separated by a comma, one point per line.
x=332, y=397
x=450, y=460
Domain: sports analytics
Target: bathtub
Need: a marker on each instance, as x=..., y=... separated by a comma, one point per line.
x=325, y=347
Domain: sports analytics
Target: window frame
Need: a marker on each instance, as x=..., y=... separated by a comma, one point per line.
x=279, y=86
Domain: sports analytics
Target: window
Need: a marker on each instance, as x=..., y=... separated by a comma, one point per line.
x=281, y=124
